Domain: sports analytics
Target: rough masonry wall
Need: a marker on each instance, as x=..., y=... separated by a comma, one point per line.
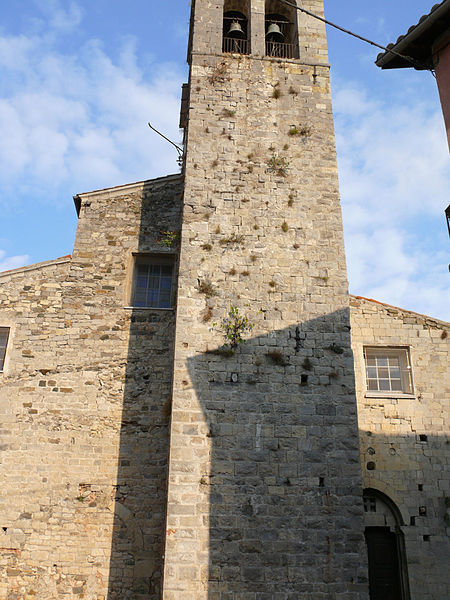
x=391, y=427
x=264, y=491
x=84, y=408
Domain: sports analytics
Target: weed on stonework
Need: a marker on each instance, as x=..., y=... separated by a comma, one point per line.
x=277, y=358
x=276, y=92
x=234, y=326
x=219, y=73
x=278, y=164
x=169, y=239
x=207, y=288
x=303, y=131
x=232, y=239
x=307, y=364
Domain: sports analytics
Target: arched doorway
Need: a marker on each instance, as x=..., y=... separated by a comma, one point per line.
x=388, y=575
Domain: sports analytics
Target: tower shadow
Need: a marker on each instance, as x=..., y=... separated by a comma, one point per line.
x=284, y=483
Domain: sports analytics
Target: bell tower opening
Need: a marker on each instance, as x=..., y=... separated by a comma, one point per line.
x=236, y=38
x=281, y=28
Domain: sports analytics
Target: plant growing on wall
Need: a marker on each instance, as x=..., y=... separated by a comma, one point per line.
x=234, y=327
x=232, y=239
x=169, y=239
x=206, y=287
x=278, y=164
x=219, y=73
x=303, y=131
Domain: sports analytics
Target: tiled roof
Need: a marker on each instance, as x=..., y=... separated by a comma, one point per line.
x=418, y=40
x=401, y=310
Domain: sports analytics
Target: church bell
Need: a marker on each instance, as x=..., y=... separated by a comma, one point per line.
x=274, y=34
x=236, y=31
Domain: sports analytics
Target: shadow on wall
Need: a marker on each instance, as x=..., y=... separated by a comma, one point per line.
x=283, y=481
x=140, y=501
x=407, y=511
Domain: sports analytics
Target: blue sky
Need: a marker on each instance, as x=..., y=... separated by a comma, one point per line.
x=79, y=80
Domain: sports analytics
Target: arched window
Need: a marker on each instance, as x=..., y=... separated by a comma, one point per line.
x=281, y=30
x=236, y=27
x=388, y=575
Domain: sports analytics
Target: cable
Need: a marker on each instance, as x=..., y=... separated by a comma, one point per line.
x=411, y=60
x=179, y=150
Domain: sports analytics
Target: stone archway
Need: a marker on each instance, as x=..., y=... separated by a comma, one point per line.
x=388, y=575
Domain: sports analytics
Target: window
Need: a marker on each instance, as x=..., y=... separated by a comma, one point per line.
x=370, y=504
x=4, y=335
x=153, y=282
x=388, y=370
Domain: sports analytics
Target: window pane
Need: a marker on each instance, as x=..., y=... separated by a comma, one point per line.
x=139, y=298
x=153, y=283
x=152, y=298
x=141, y=282
x=395, y=372
x=4, y=333
x=371, y=372
x=384, y=384
x=164, y=301
x=396, y=385
x=385, y=370
x=166, y=283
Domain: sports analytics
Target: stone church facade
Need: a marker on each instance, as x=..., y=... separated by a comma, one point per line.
x=142, y=457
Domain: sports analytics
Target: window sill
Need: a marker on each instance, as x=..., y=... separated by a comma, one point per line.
x=147, y=308
x=399, y=395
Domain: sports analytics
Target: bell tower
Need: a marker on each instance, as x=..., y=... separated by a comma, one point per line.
x=264, y=493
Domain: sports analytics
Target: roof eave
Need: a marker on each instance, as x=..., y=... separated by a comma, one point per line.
x=387, y=60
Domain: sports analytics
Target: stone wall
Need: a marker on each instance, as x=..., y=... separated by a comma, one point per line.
x=85, y=404
x=264, y=487
x=406, y=438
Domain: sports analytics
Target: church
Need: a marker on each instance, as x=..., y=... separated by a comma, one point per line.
x=193, y=407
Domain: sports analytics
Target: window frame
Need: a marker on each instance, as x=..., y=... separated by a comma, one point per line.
x=153, y=259
x=405, y=366
x=4, y=349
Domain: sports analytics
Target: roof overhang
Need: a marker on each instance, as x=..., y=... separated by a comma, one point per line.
x=420, y=42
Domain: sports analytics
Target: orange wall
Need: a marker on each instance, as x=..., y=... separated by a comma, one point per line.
x=443, y=80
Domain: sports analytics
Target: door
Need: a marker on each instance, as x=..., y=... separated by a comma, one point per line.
x=384, y=567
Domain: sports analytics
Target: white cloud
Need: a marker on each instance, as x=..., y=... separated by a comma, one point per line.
x=12, y=262
x=71, y=123
x=394, y=177
x=58, y=18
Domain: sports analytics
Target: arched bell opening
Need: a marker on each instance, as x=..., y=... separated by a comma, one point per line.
x=236, y=34
x=388, y=573
x=281, y=30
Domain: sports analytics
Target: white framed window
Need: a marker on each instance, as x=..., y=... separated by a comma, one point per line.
x=153, y=281
x=4, y=335
x=388, y=370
